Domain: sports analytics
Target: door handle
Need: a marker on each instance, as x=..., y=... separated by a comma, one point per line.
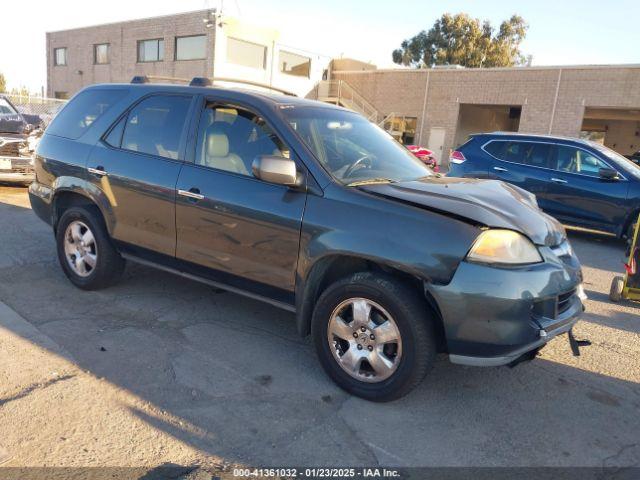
x=191, y=193
x=558, y=180
x=99, y=170
x=500, y=169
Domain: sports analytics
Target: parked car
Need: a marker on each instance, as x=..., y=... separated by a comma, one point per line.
x=579, y=182
x=425, y=155
x=18, y=135
x=384, y=263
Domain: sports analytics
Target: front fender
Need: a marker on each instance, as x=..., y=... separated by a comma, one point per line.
x=348, y=223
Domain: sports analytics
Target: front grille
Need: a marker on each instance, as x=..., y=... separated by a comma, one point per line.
x=564, y=301
x=10, y=149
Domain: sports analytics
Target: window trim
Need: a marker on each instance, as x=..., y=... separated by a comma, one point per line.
x=55, y=57
x=280, y=51
x=193, y=148
x=159, y=39
x=264, y=60
x=184, y=135
x=175, y=48
x=95, y=53
x=622, y=177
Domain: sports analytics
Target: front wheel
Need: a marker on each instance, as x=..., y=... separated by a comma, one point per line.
x=374, y=336
x=86, y=254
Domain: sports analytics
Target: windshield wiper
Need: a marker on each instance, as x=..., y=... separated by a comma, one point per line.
x=370, y=181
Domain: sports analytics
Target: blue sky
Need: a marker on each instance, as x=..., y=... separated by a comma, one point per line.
x=561, y=32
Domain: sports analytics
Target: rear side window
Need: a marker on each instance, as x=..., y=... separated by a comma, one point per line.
x=157, y=125
x=83, y=110
x=533, y=154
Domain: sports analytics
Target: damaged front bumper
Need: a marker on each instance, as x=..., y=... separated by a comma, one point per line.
x=16, y=160
x=494, y=316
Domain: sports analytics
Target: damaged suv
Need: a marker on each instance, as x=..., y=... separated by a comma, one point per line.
x=18, y=139
x=311, y=208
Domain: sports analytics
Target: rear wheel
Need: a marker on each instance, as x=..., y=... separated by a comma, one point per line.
x=374, y=336
x=86, y=254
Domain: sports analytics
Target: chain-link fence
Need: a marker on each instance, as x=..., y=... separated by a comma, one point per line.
x=34, y=107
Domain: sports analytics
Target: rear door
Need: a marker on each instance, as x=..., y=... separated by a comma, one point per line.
x=245, y=231
x=578, y=195
x=522, y=163
x=136, y=166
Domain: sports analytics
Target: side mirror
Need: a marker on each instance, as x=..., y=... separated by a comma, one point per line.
x=608, y=174
x=274, y=169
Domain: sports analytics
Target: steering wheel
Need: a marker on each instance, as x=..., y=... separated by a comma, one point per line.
x=357, y=164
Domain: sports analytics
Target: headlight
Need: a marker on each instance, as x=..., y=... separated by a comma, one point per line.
x=504, y=247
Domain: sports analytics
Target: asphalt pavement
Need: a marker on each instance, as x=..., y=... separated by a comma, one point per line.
x=160, y=369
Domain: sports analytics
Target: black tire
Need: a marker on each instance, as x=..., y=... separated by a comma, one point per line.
x=109, y=265
x=617, y=286
x=414, y=321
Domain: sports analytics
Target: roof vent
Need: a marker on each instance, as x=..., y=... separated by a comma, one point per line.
x=200, y=82
x=140, y=79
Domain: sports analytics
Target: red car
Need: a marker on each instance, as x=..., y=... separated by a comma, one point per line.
x=425, y=155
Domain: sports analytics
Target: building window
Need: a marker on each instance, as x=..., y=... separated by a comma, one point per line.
x=193, y=47
x=61, y=95
x=101, y=54
x=151, y=50
x=246, y=53
x=60, y=56
x=294, y=64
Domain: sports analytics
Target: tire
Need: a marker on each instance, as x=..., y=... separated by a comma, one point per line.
x=411, y=357
x=617, y=286
x=103, y=265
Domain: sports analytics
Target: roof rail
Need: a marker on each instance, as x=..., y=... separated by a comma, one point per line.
x=200, y=82
x=207, y=82
x=149, y=78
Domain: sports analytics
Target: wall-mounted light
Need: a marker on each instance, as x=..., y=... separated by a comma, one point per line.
x=79, y=72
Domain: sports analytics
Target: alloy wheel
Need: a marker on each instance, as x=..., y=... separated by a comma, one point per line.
x=364, y=340
x=80, y=248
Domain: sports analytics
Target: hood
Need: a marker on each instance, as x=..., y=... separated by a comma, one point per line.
x=12, y=123
x=490, y=203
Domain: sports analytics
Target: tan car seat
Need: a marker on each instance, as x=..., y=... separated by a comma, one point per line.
x=219, y=156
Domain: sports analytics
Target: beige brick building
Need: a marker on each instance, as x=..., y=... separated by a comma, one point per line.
x=200, y=43
x=437, y=108
x=442, y=106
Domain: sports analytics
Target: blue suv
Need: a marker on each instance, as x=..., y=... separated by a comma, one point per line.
x=579, y=182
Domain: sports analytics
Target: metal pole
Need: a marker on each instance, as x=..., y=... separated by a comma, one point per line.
x=424, y=107
x=555, y=102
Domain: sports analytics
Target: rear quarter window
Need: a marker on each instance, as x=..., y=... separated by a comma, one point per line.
x=496, y=148
x=84, y=110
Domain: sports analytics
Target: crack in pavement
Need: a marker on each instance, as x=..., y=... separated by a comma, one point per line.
x=34, y=386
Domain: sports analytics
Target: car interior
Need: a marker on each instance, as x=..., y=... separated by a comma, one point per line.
x=230, y=139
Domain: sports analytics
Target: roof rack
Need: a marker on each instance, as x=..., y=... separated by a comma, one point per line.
x=207, y=82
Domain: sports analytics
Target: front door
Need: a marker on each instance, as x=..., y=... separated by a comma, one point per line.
x=136, y=166
x=245, y=230
x=577, y=195
x=436, y=143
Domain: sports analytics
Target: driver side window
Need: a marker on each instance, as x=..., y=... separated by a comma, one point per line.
x=575, y=160
x=230, y=138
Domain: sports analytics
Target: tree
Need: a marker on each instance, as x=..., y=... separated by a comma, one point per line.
x=462, y=40
x=3, y=84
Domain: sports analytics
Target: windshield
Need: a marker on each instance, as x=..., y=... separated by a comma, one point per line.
x=620, y=160
x=6, y=108
x=352, y=149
